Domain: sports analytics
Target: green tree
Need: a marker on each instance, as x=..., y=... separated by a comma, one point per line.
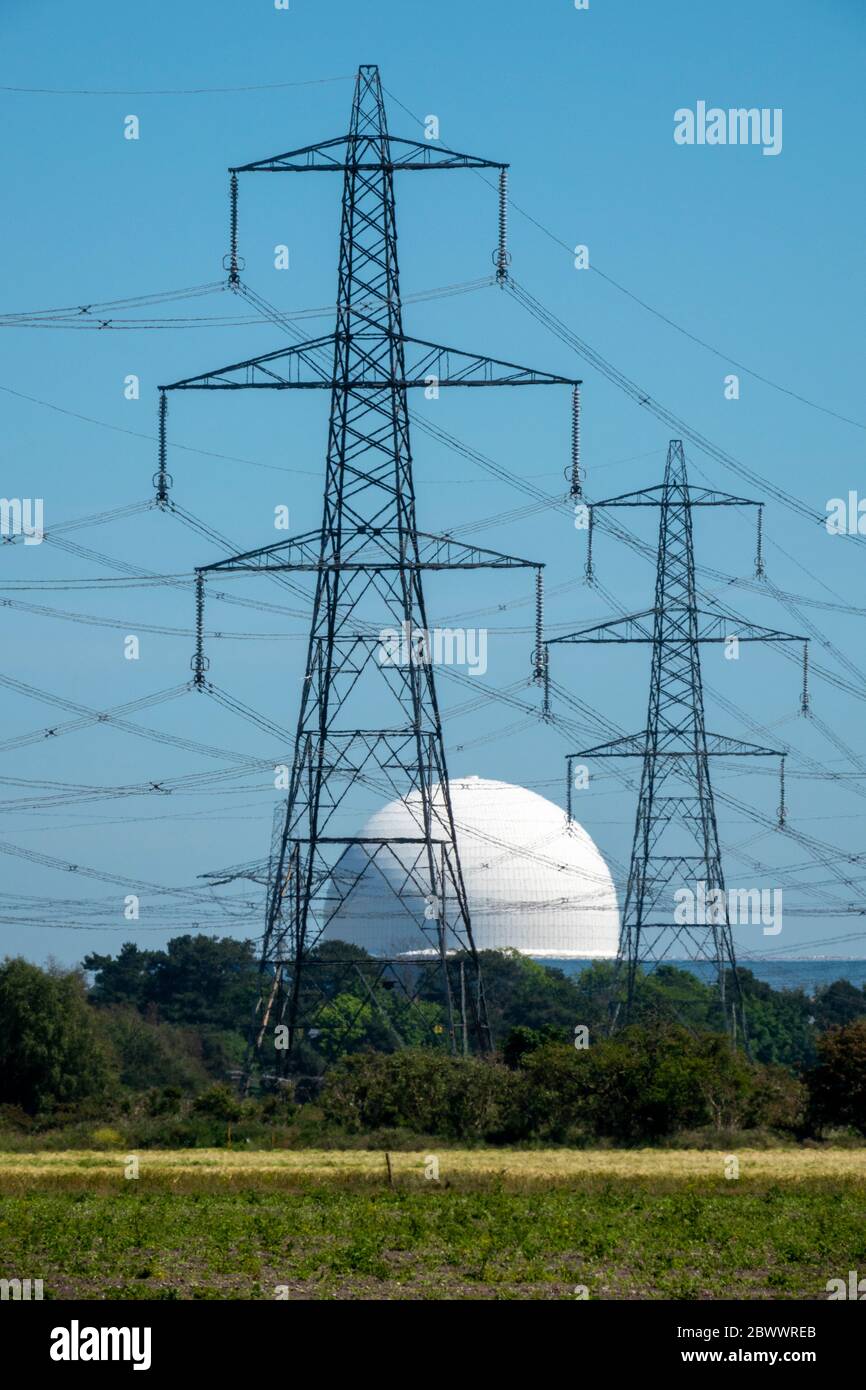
x=671, y=995
x=778, y=1021
x=126, y=980
x=519, y=992
x=778, y=1100
x=837, y=1004
x=837, y=1082
x=50, y=1046
x=596, y=990
x=641, y=1084
x=153, y=1054
x=207, y=980
x=341, y=1026
x=201, y=980
x=521, y=1041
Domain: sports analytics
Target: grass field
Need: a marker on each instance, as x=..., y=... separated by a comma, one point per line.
x=497, y=1224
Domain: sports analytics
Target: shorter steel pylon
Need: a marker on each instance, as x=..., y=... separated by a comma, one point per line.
x=675, y=850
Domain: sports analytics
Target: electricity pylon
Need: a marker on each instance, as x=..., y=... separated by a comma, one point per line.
x=368, y=558
x=676, y=838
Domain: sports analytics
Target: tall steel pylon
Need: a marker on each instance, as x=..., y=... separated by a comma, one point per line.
x=676, y=838
x=369, y=559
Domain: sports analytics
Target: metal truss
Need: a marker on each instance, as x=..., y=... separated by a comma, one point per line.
x=676, y=840
x=368, y=559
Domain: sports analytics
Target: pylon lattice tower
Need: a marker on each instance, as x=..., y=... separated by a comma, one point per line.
x=369, y=559
x=676, y=838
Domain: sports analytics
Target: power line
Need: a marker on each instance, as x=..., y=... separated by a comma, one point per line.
x=97, y=317
x=644, y=399
x=152, y=438
x=657, y=313
x=171, y=91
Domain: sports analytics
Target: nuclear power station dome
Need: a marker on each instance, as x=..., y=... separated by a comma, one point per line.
x=533, y=882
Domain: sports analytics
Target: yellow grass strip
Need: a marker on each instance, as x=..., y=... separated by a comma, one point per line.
x=783, y=1165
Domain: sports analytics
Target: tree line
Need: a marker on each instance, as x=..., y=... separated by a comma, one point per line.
x=150, y=1039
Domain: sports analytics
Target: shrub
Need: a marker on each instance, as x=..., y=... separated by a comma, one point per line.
x=650, y=1082
x=164, y=1102
x=558, y=1093
x=641, y=1084
x=778, y=1100
x=219, y=1102
x=423, y=1091
x=837, y=1083
x=107, y=1138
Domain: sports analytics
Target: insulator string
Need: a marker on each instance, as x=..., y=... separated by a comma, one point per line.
x=231, y=263
x=759, y=546
x=162, y=478
x=783, y=810
x=589, y=572
x=804, y=695
x=568, y=794
x=575, y=489
x=538, y=656
x=199, y=661
x=502, y=256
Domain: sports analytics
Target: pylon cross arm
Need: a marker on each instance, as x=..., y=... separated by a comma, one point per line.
x=719, y=745
x=633, y=628
x=719, y=627
x=366, y=153
x=637, y=745
x=370, y=548
x=300, y=552
x=629, y=746
x=441, y=552
x=455, y=367
x=435, y=156
x=711, y=627
x=263, y=370
x=432, y=363
x=692, y=496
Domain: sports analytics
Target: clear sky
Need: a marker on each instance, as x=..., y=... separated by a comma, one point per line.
x=758, y=257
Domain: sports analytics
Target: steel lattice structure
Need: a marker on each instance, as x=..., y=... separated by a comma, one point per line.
x=369, y=559
x=676, y=838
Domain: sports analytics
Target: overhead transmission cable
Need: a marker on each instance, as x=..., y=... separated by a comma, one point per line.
x=649, y=308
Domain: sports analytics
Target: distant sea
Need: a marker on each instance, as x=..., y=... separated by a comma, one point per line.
x=780, y=974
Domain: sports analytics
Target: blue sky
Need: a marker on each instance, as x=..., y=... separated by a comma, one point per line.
x=760, y=257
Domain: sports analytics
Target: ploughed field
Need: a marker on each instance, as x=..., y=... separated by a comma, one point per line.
x=494, y=1224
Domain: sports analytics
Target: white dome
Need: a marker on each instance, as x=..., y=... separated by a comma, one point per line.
x=533, y=882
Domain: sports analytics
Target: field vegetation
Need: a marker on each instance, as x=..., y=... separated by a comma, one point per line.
x=527, y=1225
x=658, y=1162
